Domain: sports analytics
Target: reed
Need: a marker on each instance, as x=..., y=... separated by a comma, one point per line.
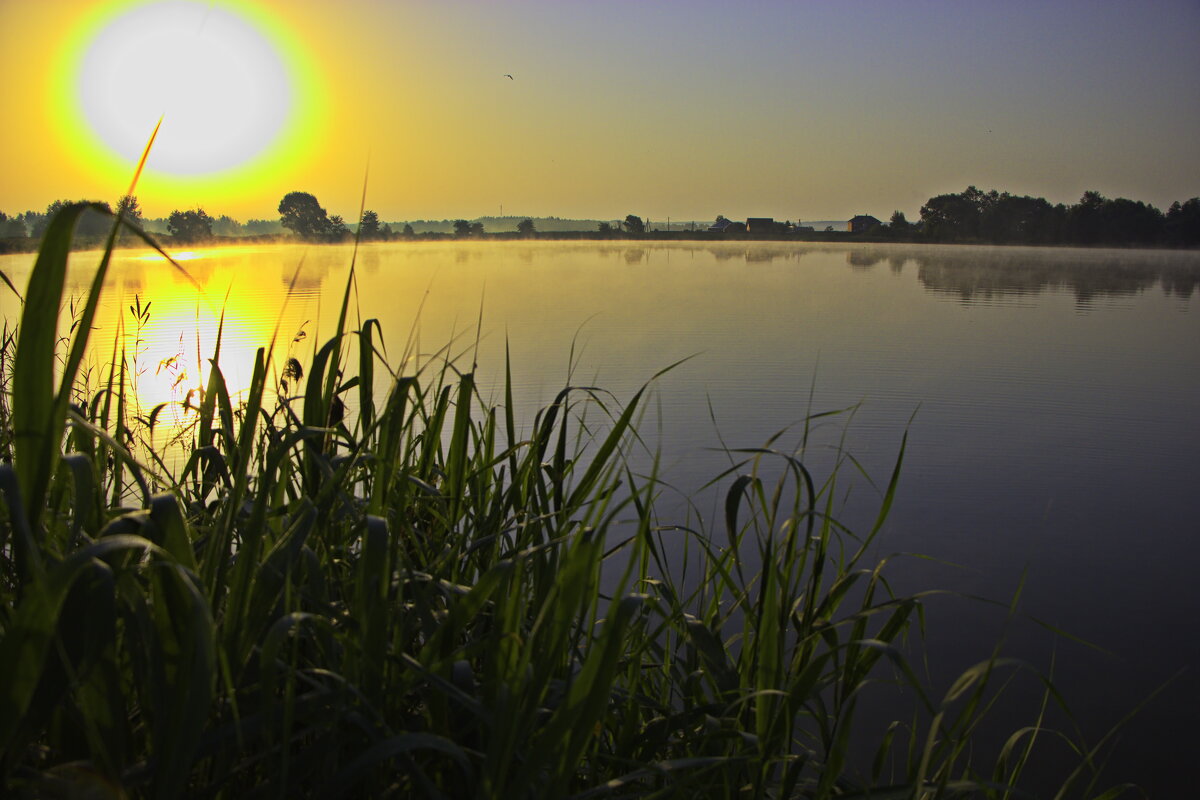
x=410, y=600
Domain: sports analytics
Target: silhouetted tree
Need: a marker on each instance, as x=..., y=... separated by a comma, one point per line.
x=1003, y=218
x=952, y=217
x=91, y=223
x=407, y=232
x=1085, y=219
x=1098, y=220
x=11, y=227
x=1008, y=219
x=1182, y=223
x=605, y=228
x=131, y=214
x=634, y=224
x=477, y=229
x=190, y=226
x=368, y=227
x=94, y=223
x=461, y=227
x=33, y=220
x=1131, y=222
x=525, y=227
x=130, y=210
x=226, y=225
x=337, y=229
x=262, y=226
x=300, y=213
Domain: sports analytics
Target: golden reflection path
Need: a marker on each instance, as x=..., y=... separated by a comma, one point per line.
x=163, y=326
x=170, y=345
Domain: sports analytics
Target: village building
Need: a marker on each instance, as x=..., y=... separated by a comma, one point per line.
x=862, y=223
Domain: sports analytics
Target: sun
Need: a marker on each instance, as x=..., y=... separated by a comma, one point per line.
x=220, y=86
x=241, y=98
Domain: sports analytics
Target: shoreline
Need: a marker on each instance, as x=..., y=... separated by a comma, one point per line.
x=17, y=245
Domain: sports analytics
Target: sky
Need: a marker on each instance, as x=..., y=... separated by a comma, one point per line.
x=683, y=109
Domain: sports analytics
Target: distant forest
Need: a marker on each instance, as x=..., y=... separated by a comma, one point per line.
x=1002, y=218
x=971, y=216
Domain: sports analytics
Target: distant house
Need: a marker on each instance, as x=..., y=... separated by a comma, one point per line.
x=760, y=225
x=721, y=225
x=862, y=223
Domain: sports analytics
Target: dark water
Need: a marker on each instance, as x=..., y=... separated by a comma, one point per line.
x=1050, y=398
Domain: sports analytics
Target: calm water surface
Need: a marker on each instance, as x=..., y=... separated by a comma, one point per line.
x=1050, y=398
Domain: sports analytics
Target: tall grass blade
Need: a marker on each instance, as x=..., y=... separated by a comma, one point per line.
x=37, y=419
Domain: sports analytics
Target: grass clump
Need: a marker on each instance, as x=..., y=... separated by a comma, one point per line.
x=410, y=600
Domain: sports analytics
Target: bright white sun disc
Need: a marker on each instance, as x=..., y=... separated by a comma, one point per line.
x=218, y=83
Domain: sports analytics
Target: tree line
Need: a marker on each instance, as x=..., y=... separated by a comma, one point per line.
x=299, y=212
x=303, y=215
x=1002, y=218
x=970, y=216
x=189, y=224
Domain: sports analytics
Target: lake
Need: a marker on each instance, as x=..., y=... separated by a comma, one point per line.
x=1050, y=399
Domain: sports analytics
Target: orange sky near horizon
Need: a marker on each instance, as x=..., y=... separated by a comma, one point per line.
x=794, y=110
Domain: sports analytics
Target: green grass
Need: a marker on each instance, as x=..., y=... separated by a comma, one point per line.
x=410, y=600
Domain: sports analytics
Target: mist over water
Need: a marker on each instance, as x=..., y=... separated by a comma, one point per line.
x=1049, y=396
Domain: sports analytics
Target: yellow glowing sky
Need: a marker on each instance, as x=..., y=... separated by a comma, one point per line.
x=684, y=109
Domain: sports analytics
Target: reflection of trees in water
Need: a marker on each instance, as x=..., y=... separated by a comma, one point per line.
x=755, y=255
x=863, y=259
x=985, y=275
x=368, y=259
x=312, y=266
x=1179, y=283
x=303, y=277
x=767, y=255
x=967, y=273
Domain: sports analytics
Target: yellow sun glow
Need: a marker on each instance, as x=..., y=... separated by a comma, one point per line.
x=239, y=102
x=224, y=299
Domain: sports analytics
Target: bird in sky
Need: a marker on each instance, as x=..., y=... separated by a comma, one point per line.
x=510, y=77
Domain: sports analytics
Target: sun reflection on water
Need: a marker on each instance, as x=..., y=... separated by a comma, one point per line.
x=182, y=255
x=166, y=326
